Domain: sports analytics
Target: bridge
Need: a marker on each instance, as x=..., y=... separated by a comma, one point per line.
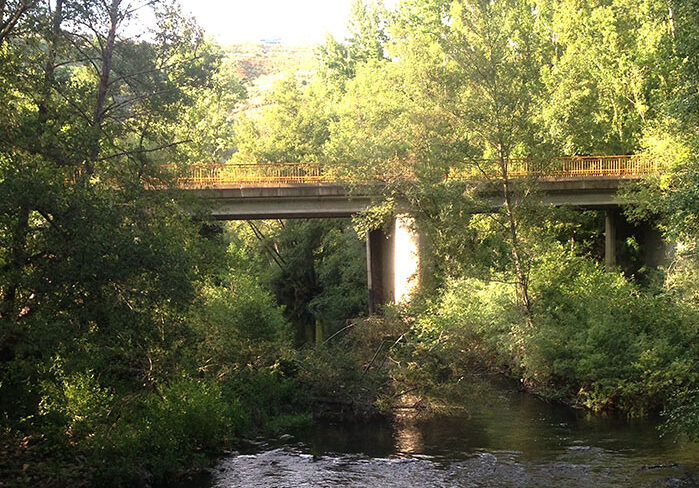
x=312, y=190
x=308, y=190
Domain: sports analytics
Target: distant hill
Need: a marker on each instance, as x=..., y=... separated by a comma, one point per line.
x=259, y=65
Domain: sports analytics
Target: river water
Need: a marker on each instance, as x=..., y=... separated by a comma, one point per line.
x=501, y=438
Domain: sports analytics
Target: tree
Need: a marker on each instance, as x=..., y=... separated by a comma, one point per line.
x=292, y=128
x=607, y=75
x=96, y=268
x=499, y=53
x=367, y=27
x=12, y=13
x=315, y=268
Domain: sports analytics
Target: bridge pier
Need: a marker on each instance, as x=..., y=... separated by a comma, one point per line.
x=656, y=251
x=393, y=263
x=610, y=239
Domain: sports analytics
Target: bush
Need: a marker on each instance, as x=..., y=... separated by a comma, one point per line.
x=239, y=326
x=269, y=399
x=347, y=376
x=169, y=430
x=597, y=339
x=682, y=414
x=612, y=344
x=76, y=403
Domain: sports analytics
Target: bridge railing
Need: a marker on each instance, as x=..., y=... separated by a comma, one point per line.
x=211, y=175
x=252, y=174
x=572, y=166
x=563, y=167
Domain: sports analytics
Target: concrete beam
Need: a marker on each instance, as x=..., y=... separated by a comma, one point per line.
x=332, y=200
x=281, y=202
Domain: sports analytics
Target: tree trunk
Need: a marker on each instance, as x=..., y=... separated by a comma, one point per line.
x=6, y=26
x=514, y=238
x=103, y=86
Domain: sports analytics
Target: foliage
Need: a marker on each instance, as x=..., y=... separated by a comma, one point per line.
x=139, y=339
x=79, y=400
x=348, y=376
x=367, y=26
x=109, y=287
x=316, y=270
x=682, y=414
x=598, y=340
x=605, y=75
x=177, y=426
x=292, y=127
x=240, y=326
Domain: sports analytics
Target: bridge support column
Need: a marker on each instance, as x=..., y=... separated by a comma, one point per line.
x=610, y=239
x=378, y=254
x=393, y=263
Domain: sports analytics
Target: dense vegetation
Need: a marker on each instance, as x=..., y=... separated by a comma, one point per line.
x=136, y=338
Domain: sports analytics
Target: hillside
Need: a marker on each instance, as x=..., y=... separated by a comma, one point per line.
x=260, y=65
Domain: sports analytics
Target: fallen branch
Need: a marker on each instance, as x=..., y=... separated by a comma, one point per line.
x=351, y=325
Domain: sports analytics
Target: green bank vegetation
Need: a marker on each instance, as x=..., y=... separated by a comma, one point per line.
x=137, y=339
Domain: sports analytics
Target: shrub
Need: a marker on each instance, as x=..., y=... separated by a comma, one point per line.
x=168, y=430
x=597, y=339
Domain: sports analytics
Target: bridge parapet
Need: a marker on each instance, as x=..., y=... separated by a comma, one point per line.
x=227, y=175
x=618, y=166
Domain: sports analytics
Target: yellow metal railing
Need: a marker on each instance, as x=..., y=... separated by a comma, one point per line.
x=252, y=174
x=572, y=166
x=212, y=175
x=563, y=167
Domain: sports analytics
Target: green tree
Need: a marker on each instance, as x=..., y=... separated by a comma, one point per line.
x=315, y=268
x=463, y=93
x=606, y=76
x=368, y=36
x=292, y=127
x=98, y=270
x=13, y=13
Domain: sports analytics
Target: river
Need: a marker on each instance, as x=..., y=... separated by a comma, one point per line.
x=501, y=438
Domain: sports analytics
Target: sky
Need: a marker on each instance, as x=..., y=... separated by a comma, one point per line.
x=291, y=21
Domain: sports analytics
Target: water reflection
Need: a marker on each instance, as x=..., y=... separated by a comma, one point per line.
x=408, y=437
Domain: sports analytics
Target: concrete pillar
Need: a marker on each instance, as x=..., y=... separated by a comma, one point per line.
x=393, y=263
x=406, y=259
x=377, y=244
x=610, y=239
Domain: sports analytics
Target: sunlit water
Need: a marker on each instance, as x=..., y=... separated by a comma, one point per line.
x=502, y=438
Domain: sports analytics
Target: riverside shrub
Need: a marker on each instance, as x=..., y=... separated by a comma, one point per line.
x=597, y=339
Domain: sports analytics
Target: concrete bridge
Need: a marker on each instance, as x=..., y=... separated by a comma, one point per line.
x=283, y=191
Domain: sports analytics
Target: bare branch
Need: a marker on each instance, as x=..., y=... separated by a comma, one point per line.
x=7, y=26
